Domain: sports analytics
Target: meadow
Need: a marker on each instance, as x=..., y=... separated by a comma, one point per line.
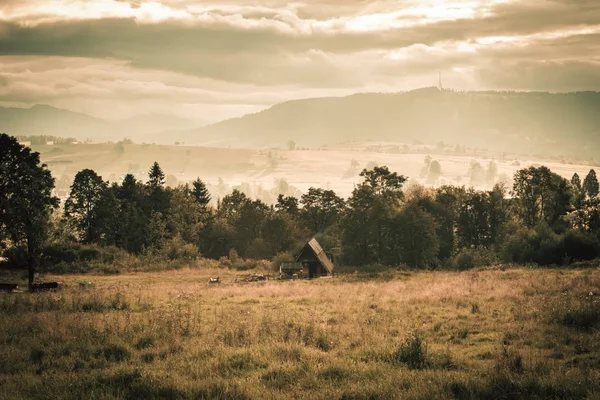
x=330, y=168
x=497, y=333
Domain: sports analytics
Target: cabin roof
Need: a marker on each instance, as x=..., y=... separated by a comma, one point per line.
x=319, y=253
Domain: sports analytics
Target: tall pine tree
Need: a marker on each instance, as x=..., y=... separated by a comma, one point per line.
x=156, y=176
x=590, y=184
x=200, y=192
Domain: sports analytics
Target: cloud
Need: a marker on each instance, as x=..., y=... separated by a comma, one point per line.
x=246, y=54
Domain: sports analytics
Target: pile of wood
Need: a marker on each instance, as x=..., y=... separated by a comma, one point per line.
x=46, y=287
x=8, y=287
x=254, y=278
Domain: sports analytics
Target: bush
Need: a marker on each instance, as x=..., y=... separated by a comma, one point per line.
x=508, y=361
x=468, y=258
x=544, y=247
x=580, y=312
x=77, y=257
x=412, y=352
x=579, y=245
x=281, y=258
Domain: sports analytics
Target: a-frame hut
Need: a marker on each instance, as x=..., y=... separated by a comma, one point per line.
x=315, y=260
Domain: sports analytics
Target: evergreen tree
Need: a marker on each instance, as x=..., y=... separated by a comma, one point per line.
x=156, y=176
x=576, y=181
x=201, y=193
x=159, y=196
x=26, y=200
x=590, y=184
x=578, y=193
x=131, y=231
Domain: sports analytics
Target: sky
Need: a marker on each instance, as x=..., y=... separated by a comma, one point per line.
x=212, y=60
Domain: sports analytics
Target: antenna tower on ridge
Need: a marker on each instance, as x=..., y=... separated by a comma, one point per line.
x=440, y=81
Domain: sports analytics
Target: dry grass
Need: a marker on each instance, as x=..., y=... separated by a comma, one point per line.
x=477, y=334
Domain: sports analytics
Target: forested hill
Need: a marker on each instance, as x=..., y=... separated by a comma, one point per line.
x=47, y=120
x=536, y=122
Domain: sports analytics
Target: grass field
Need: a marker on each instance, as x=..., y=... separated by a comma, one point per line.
x=498, y=334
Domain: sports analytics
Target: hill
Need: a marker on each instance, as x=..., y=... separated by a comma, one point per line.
x=534, y=123
x=48, y=120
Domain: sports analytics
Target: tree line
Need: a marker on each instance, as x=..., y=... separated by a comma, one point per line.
x=543, y=218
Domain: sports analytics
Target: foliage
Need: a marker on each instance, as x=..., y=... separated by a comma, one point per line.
x=82, y=207
x=590, y=185
x=469, y=258
x=548, y=220
x=200, y=193
x=541, y=195
x=543, y=246
x=26, y=200
x=320, y=209
x=412, y=352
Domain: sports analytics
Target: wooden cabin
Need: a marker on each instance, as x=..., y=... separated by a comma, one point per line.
x=312, y=262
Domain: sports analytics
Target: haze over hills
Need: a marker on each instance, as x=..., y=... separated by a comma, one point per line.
x=534, y=122
x=47, y=120
x=528, y=122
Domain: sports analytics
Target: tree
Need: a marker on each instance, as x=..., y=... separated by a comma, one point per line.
x=578, y=193
x=476, y=173
x=383, y=182
x=280, y=232
x=435, y=170
x=201, y=193
x=156, y=176
x=81, y=207
x=321, y=208
x=231, y=205
x=186, y=216
x=541, y=195
x=413, y=237
x=473, y=222
x=131, y=232
x=159, y=196
x=365, y=225
x=491, y=172
x=576, y=181
x=26, y=200
x=590, y=185
x=288, y=204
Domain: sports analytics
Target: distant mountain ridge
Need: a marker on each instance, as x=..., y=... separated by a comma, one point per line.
x=47, y=120
x=534, y=121
x=531, y=122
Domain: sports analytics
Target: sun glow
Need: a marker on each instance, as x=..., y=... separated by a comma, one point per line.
x=41, y=12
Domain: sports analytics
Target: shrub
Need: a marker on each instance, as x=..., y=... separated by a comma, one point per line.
x=508, y=361
x=412, y=352
x=581, y=312
x=281, y=258
x=579, y=245
x=544, y=247
x=469, y=258
x=114, y=352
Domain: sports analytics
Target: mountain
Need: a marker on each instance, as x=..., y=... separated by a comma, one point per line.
x=535, y=122
x=47, y=120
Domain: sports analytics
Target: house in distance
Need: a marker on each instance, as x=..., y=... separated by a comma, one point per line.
x=312, y=262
